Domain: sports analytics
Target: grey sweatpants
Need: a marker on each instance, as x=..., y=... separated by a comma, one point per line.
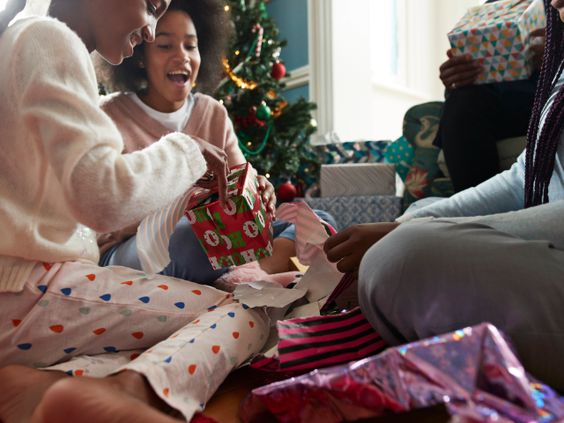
x=428, y=278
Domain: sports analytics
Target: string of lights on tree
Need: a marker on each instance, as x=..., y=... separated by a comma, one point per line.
x=273, y=133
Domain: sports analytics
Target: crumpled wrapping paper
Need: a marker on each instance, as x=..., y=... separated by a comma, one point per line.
x=473, y=371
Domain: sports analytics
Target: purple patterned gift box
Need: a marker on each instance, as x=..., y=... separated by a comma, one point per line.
x=472, y=371
x=499, y=34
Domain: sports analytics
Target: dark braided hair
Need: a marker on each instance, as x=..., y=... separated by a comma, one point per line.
x=542, y=145
x=12, y=9
x=214, y=28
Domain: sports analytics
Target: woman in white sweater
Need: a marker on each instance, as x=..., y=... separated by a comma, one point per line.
x=62, y=172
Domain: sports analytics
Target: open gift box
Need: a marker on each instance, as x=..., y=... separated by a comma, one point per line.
x=500, y=34
x=240, y=231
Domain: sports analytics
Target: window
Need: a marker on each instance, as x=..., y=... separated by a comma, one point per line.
x=385, y=61
x=371, y=60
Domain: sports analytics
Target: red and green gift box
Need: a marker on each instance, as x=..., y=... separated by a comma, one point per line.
x=237, y=233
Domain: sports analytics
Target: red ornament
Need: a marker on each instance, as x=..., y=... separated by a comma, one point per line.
x=278, y=71
x=286, y=191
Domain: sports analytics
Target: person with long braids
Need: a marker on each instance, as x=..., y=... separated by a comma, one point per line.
x=149, y=347
x=491, y=253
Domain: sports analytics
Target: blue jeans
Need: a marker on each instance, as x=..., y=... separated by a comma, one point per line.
x=188, y=260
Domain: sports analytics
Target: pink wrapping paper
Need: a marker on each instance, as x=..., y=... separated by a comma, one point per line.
x=472, y=371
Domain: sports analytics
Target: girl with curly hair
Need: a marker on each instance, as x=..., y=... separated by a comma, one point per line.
x=156, y=96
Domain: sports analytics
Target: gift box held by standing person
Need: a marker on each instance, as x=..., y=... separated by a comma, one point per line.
x=235, y=234
x=499, y=34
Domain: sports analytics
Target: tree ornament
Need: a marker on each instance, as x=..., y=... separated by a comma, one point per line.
x=263, y=111
x=260, y=34
x=278, y=71
x=286, y=191
x=279, y=108
x=263, y=10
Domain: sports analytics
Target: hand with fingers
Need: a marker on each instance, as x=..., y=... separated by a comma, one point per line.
x=268, y=194
x=218, y=168
x=459, y=71
x=349, y=246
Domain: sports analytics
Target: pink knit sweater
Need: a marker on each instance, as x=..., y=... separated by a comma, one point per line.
x=208, y=121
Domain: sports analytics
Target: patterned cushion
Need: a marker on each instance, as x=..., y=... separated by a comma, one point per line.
x=421, y=124
x=401, y=153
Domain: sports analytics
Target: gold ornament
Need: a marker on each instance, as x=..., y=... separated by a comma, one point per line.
x=279, y=108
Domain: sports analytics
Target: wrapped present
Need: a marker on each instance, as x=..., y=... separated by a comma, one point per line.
x=235, y=234
x=499, y=34
x=349, y=211
x=472, y=371
x=352, y=152
x=347, y=180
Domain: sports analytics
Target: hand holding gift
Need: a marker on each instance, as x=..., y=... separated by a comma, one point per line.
x=218, y=169
x=237, y=231
x=459, y=70
x=268, y=194
x=504, y=35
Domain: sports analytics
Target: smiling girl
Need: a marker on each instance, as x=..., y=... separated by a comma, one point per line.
x=155, y=97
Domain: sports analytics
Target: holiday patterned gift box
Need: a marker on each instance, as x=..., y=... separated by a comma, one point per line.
x=499, y=34
x=239, y=232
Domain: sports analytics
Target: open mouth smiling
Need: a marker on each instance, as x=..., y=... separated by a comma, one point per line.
x=179, y=76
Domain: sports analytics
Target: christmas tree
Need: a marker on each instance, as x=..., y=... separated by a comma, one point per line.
x=273, y=133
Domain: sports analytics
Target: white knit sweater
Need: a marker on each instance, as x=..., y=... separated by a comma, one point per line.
x=61, y=167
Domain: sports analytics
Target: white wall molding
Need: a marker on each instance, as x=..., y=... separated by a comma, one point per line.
x=297, y=78
x=320, y=18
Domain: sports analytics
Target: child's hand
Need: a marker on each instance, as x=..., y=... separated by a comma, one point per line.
x=349, y=246
x=218, y=168
x=268, y=195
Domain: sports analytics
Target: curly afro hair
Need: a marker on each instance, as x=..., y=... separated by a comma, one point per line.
x=214, y=27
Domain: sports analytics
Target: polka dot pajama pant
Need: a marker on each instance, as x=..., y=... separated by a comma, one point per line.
x=77, y=317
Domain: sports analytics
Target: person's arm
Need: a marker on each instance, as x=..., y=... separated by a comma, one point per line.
x=501, y=193
x=104, y=189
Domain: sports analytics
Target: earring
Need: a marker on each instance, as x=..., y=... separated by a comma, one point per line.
x=141, y=64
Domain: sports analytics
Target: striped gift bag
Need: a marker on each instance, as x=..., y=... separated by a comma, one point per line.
x=311, y=342
x=308, y=343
